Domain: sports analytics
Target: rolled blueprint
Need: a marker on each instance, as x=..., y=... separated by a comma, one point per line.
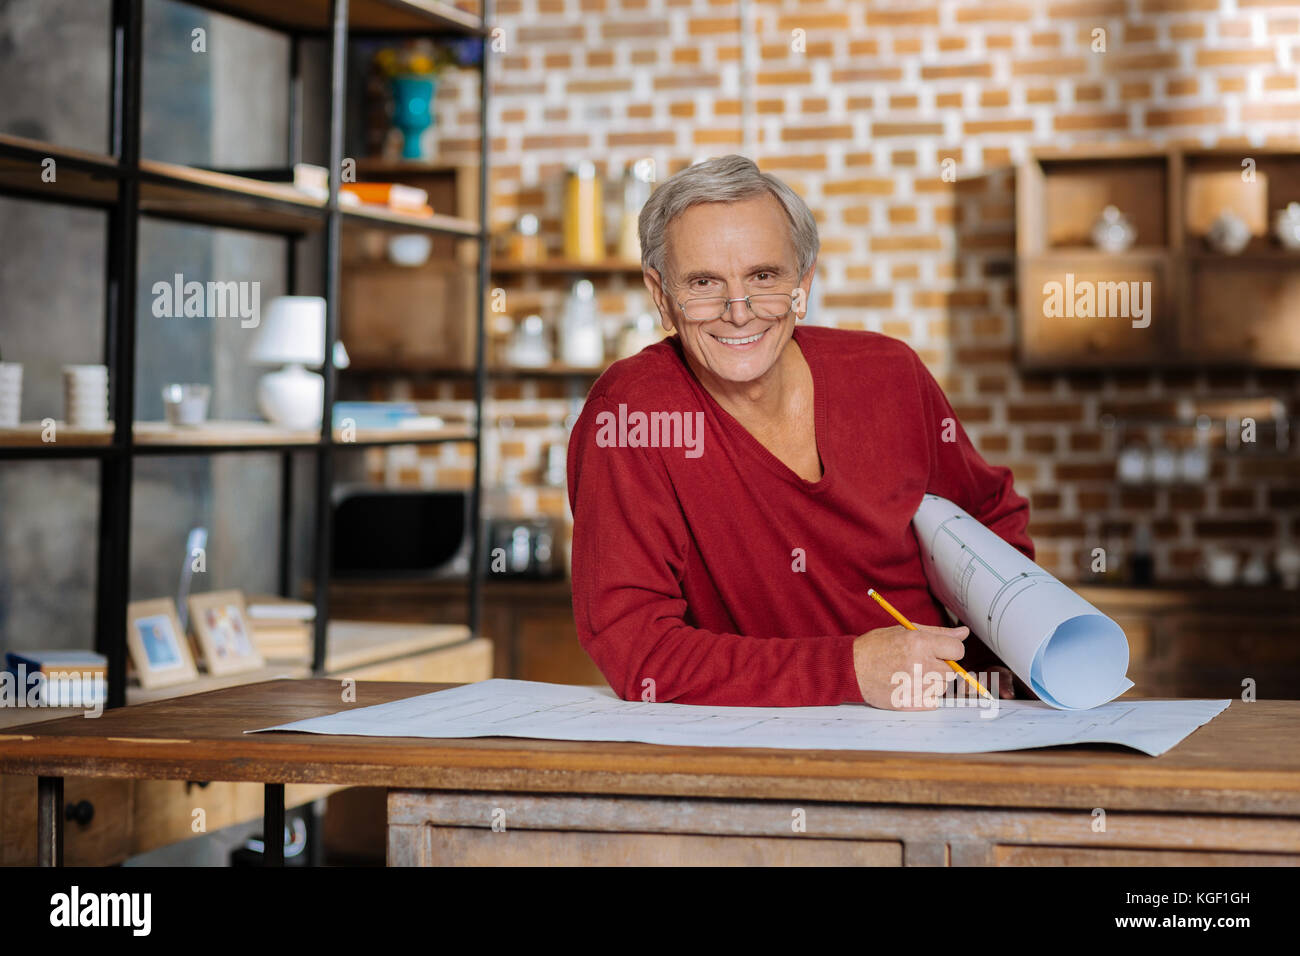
x=1070, y=654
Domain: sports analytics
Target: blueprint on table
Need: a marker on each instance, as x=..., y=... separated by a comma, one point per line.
x=514, y=708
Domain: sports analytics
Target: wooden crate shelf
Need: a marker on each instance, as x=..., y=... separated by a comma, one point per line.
x=1208, y=308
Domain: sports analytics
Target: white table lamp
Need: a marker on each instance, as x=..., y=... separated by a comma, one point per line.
x=293, y=335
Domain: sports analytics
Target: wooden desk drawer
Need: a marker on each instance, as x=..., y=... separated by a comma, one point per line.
x=465, y=846
x=165, y=810
x=427, y=827
x=1089, y=856
x=104, y=841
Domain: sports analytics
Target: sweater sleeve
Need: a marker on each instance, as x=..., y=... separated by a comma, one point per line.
x=630, y=547
x=959, y=473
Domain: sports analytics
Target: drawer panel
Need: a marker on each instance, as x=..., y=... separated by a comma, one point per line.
x=104, y=841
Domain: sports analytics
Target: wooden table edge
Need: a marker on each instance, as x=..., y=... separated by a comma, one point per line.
x=1126, y=781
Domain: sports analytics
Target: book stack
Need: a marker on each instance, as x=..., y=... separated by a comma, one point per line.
x=45, y=678
x=282, y=628
x=383, y=415
x=395, y=196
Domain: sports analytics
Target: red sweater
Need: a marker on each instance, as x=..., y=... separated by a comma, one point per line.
x=686, y=561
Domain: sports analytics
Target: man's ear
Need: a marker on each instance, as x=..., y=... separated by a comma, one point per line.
x=805, y=285
x=654, y=283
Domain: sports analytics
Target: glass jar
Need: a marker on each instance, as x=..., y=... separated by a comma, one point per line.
x=525, y=243
x=638, y=183
x=584, y=231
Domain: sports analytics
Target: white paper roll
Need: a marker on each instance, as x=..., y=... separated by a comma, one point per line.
x=1070, y=654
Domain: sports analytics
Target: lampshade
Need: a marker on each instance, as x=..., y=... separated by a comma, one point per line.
x=292, y=331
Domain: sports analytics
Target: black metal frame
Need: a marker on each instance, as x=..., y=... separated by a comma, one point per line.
x=116, y=458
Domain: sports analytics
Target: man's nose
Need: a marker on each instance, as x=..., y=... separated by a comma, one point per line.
x=738, y=311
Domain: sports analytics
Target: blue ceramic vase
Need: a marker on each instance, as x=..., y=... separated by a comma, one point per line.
x=413, y=110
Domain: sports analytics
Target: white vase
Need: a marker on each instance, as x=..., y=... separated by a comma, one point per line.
x=1112, y=232
x=11, y=393
x=1228, y=234
x=292, y=397
x=1286, y=226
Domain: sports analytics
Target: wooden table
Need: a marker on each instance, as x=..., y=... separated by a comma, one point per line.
x=1228, y=794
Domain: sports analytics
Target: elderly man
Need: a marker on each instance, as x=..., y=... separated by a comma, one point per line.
x=738, y=487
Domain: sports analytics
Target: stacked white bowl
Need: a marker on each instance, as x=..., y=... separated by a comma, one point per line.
x=11, y=392
x=85, y=395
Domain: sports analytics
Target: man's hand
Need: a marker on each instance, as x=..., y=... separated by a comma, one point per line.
x=881, y=654
x=1006, y=681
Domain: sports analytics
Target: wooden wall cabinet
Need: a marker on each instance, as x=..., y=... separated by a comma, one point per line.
x=1207, y=308
x=395, y=317
x=1203, y=641
x=1117, y=336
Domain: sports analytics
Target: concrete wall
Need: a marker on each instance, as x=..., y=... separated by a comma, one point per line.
x=226, y=107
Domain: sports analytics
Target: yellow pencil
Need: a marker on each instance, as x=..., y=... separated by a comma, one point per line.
x=912, y=627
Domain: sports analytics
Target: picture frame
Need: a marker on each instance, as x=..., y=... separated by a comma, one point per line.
x=225, y=639
x=158, y=646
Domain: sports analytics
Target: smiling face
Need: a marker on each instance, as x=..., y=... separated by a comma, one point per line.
x=730, y=250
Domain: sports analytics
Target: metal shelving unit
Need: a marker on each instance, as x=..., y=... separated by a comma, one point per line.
x=126, y=186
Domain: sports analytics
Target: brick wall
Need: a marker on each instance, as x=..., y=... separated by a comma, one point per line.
x=857, y=105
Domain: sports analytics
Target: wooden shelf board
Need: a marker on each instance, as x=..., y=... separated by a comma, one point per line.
x=222, y=433
x=206, y=196
x=1284, y=148
x=358, y=643
x=565, y=267
x=230, y=183
x=383, y=217
x=249, y=434
x=1086, y=152
x=378, y=166
x=377, y=15
x=1093, y=255
x=252, y=433
x=1261, y=255
x=28, y=435
x=350, y=644
x=192, y=194
x=548, y=371
x=78, y=174
x=399, y=435
x=386, y=366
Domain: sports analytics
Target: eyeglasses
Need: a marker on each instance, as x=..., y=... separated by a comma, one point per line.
x=765, y=305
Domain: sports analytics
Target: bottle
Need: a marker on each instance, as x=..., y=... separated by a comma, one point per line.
x=1142, y=564
x=582, y=342
x=525, y=243
x=584, y=230
x=529, y=348
x=638, y=334
x=638, y=181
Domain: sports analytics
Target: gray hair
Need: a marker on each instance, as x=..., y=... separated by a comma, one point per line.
x=723, y=179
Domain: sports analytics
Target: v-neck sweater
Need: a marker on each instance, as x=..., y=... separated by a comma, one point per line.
x=705, y=571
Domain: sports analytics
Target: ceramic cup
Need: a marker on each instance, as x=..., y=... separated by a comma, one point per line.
x=1221, y=566
x=186, y=404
